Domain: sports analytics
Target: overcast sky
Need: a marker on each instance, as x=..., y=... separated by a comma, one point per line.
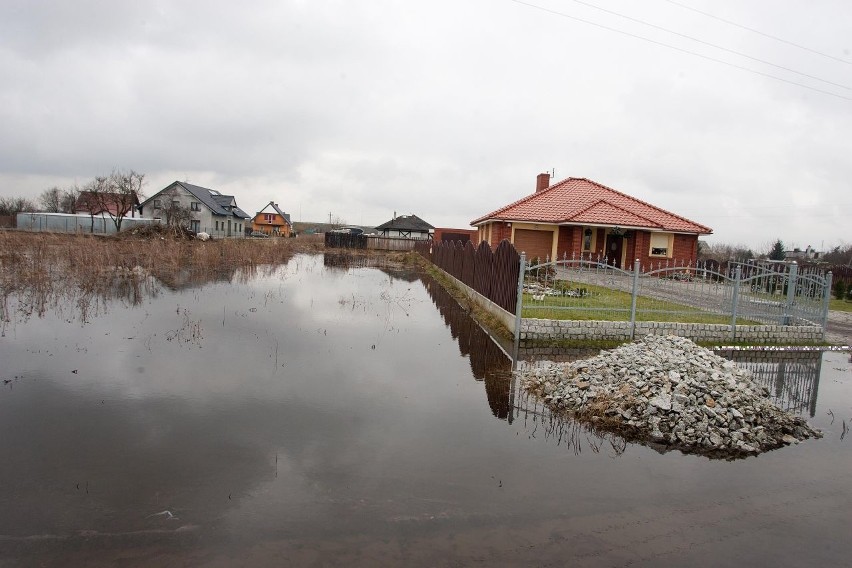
x=446, y=109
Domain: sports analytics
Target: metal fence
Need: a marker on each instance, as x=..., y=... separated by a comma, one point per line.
x=76, y=223
x=591, y=288
x=102, y=224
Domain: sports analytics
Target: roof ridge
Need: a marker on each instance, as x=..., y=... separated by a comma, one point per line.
x=666, y=211
x=614, y=206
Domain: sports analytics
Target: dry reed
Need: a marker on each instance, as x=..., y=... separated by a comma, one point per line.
x=48, y=270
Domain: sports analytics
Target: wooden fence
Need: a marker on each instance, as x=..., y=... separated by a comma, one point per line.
x=372, y=242
x=494, y=274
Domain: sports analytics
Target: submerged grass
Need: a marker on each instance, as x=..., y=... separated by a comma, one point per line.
x=45, y=270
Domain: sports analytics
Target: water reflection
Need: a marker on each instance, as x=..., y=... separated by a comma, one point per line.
x=792, y=377
x=337, y=261
x=488, y=362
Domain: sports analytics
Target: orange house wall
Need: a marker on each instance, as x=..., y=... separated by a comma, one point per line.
x=259, y=224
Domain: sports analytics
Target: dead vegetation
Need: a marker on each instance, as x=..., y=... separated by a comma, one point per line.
x=48, y=270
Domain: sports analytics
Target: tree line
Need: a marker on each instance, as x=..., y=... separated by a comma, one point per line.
x=839, y=255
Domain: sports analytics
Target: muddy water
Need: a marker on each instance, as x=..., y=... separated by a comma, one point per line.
x=327, y=415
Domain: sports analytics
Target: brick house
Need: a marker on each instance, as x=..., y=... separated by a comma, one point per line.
x=577, y=216
x=272, y=221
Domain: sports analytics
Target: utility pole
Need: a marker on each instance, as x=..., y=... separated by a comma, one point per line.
x=329, y=217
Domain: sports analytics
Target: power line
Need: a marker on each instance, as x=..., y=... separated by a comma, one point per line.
x=707, y=43
x=682, y=50
x=758, y=32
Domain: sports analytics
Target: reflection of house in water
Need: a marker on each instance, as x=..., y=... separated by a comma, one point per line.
x=183, y=278
x=487, y=360
x=792, y=377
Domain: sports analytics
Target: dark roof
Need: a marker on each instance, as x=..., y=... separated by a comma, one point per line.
x=586, y=202
x=406, y=223
x=212, y=199
x=285, y=216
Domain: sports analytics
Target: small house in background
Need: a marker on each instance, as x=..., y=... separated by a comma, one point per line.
x=579, y=217
x=408, y=226
x=272, y=221
x=444, y=235
x=798, y=254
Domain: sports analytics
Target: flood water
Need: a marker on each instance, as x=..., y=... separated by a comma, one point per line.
x=319, y=414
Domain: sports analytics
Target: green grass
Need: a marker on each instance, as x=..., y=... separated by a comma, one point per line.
x=840, y=305
x=604, y=304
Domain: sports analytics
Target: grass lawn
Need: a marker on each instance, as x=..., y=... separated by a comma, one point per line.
x=840, y=305
x=604, y=304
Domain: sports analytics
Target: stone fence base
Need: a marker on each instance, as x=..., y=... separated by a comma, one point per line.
x=533, y=330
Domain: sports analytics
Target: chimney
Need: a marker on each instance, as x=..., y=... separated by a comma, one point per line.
x=542, y=181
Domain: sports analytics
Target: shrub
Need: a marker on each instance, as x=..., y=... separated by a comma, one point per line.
x=839, y=289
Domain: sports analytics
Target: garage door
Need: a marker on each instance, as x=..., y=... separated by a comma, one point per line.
x=534, y=243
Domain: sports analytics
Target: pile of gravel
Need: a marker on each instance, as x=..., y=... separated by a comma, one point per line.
x=669, y=392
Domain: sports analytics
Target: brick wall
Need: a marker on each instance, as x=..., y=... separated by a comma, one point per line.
x=499, y=231
x=684, y=250
x=568, y=240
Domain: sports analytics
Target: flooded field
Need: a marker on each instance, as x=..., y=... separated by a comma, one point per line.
x=321, y=413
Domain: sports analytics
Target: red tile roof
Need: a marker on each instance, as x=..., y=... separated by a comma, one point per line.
x=585, y=202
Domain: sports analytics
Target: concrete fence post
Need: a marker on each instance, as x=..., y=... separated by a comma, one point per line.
x=792, y=278
x=519, y=305
x=735, y=298
x=826, y=300
x=634, y=295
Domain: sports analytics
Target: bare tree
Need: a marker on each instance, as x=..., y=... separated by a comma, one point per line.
x=116, y=195
x=840, y=254
x=13, y=205
x=174, y=214
x=51, y=200
x=723, y=251
x=91, y=199
x=68, y=202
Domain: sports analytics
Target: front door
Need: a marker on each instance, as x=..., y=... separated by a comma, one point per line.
x=614, y=246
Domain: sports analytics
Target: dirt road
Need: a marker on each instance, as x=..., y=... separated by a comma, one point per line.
x=839, y=329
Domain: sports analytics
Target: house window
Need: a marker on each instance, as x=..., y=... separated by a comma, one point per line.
x=156, y=204
x=217, y=225
x=588, y=239
x=195, y=225
x=269, y=217
x=195, y=206
x=661, y=244
x=175, y=203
